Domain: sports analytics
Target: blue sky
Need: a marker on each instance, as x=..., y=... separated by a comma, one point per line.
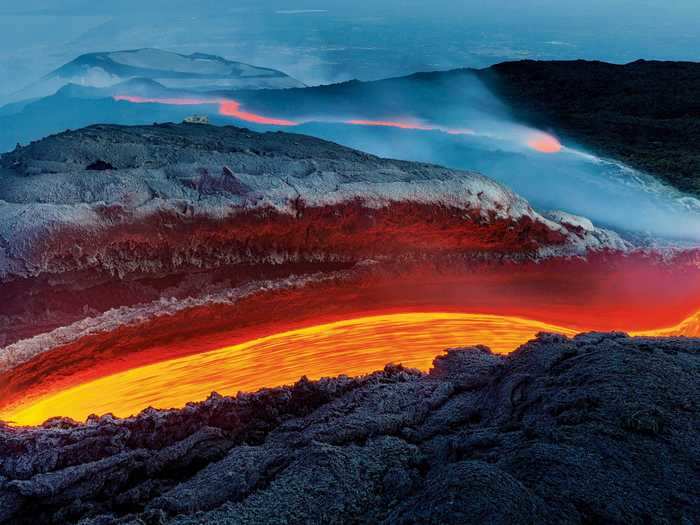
x=326, y=41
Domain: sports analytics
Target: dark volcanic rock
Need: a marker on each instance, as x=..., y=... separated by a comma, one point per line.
x=601, y=428
x=99, y=165
x=646, y=113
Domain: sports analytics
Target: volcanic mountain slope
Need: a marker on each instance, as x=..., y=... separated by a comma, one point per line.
x=196, y=72
x=106, y=177
x=601, y=428
x=446, y=97
x=645, y=113
x=148, y=208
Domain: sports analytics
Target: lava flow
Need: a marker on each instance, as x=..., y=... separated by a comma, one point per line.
x=537, y=140
x=231, y=108
x=544, y=143
x=352, y=347
x=227, y=107
x=391, y=124
x=352, y=323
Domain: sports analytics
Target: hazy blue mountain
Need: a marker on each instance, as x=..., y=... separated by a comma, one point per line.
x=195, y=72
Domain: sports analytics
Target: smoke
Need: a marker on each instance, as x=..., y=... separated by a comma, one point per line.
x=549, y=175
x=473, y=131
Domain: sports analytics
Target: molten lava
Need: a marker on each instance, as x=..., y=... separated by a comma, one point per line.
x=603, y=292
x=231, y=108
x=537, y=140
x=689, y=327
x=351, y=347
x=401, y=124
x=544, y=143
x=410, y=124
x=227, y=107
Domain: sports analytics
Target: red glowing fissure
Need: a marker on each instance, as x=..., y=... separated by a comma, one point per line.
x=228, y=108
x=536, y=140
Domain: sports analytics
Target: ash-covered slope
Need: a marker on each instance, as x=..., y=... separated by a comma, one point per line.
x=601, y=428
x=96, y=182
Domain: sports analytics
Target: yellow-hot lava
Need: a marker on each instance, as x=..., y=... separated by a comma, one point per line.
x=689, y=327
x=351, y=347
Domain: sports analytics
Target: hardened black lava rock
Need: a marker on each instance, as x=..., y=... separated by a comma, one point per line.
x=645, y=113
x=601, y=428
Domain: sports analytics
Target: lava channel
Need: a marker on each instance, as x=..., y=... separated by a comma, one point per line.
x=351, y=347
x=330, y=328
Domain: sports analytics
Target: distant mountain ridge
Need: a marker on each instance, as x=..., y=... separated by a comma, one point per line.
x=195, y=72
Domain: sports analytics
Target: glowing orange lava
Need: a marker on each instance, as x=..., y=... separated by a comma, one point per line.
x=227, y=107
x=351, y=347
x=689, y=327
x=536, y=140
x=231, y=108
x=544, y=143
x=391, y=124
x=409, y=124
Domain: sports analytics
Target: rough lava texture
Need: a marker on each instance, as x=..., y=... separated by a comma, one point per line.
x=601, y=428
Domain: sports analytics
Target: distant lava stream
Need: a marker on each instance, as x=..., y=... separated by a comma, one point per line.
x=536, y=140
x=227, y=107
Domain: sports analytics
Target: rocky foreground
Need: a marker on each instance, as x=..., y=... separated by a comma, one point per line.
x=602, y=428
